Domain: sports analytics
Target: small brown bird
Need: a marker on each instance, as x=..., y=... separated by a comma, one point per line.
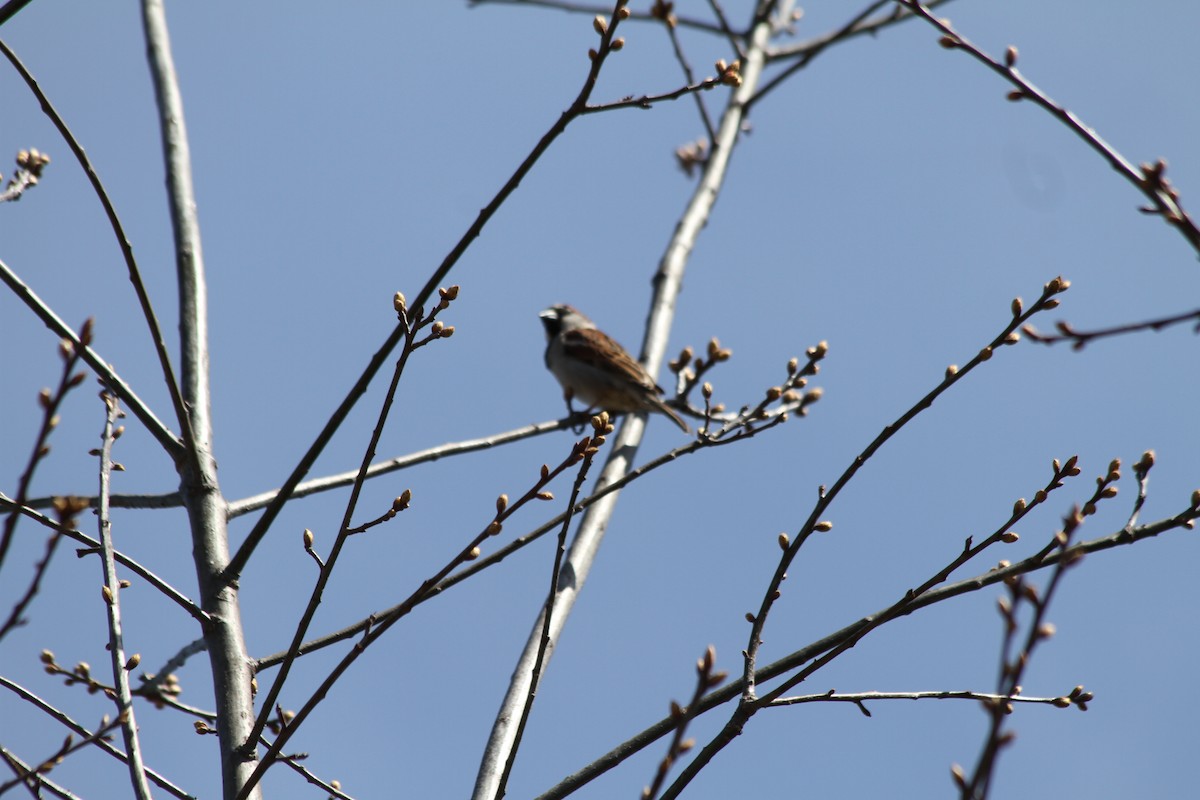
x=591, y=366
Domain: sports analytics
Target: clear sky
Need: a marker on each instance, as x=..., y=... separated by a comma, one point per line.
x=888, y=200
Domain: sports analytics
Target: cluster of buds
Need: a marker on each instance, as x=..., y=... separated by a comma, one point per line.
x=601, y=26
x=692, y=156
x=706, y=678
x=729, y=74
x=32, y=161
x=81, y=673
x=168, y=687
x=1105, y=486
x=1078, y=698
x=68, y=508
x=664, y=11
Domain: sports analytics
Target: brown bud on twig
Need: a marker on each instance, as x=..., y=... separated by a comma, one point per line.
x=133, y=661
x=823, y=526
x=501, y=504
x=600, y=24
x=784, y=541
x=308, y=539
x=1010, y=57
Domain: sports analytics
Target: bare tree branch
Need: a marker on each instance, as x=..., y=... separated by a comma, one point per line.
x=41, y=704
x=135, y=275
x=1149, y=179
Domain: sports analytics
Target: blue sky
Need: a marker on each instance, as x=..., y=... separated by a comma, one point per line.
x=888, y=200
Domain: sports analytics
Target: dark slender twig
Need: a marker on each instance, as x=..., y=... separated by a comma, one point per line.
x=1149, y=179
x=858, y=698
x=706, y=679
x=648, y=100
x=51, y=402
x=10, y=9
x=602, y=429
x=734, y=38
x=591, y=9
x=867, y=27
x=856, y=25
x=690, y=77
x=135, y=275
x=1078, y=339
x=413, y=325
x=1012, y=667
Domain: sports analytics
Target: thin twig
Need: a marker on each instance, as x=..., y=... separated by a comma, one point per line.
x=868, y=27
x=324, y=484
x=41, y=704
x=856, y=25
x=112, y=594
x=602, y=429
x=858, y=698
x=591, y=9
x=412, y=325
x=161, y=433
x=51, y=402
x=690, y=77
x=93, y=546
x=1078, y=339
x=1013, y=666
x=1149, y=179
x=135, y=275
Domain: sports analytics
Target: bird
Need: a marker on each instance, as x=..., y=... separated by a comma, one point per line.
x=592, y=366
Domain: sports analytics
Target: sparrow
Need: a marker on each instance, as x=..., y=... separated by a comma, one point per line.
x=590, y=365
